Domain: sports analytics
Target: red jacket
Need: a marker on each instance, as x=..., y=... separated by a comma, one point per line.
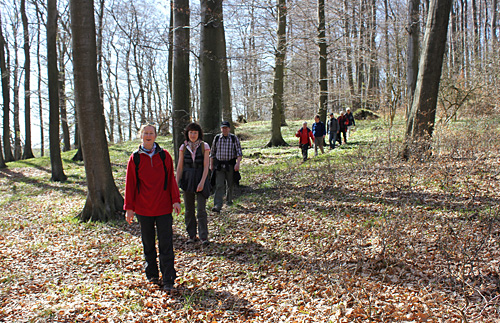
x=152, y=200
x=304, y=136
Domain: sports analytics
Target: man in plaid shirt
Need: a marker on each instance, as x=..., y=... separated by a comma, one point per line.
x=225, y=158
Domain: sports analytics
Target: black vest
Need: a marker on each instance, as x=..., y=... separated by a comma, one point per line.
x=198, y=160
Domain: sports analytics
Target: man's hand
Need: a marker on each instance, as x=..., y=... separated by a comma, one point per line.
x=177, y=208
x=129, y=216
x=237, y=166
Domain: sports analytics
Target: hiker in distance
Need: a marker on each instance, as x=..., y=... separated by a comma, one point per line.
x=225, y=159
x=333, y=129
x=319, y=133
x=192, y=177
x=351, y=123
x=305, y=136
x=343, y=122
x=151, y=193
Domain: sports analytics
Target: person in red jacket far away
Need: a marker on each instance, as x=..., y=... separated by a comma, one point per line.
x=305, y=135
x=151, y=193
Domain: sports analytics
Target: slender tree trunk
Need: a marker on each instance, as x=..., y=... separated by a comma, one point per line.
x=28, y=153
x=2, y=161
x=117, y=97
x=15, y=112
x=181, y=101
x=413, y=50
x=227, y=110
x=100, y=26
x=55, y=150
x=210, y=71
x=39, y=65
x=104, y=201
x=423, y=112
x=170, y=48
x=62, y=96
x=279, y=76
x=323, y=68
x=6, y=97
x=494, y=19
x=129, y=93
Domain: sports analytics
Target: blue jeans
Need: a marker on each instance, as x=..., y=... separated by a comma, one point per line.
x=165, y=243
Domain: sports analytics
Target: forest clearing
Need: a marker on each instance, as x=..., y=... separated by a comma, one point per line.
x=354, y=235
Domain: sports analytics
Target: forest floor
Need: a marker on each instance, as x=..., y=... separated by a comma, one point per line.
x=353, y=235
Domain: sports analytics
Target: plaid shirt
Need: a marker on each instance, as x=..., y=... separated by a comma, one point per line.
x=225, y=150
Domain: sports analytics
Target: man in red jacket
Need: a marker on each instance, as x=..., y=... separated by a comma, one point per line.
x=305, y=136
x=151, y=192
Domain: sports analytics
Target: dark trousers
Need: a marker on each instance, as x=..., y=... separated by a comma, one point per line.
x=223, y=176
x=164, y=231
x=332, y=139
x=305, y=149
x=190, y=216
x=343, y=133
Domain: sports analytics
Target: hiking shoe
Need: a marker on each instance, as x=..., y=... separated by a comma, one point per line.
x=191, y=241
x=205, y=242
x=155, y=280
x=168, y=287
x=216, y=209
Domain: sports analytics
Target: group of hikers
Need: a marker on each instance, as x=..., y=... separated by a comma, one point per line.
x=152, y=191
x=335, y=128
x=152, y=187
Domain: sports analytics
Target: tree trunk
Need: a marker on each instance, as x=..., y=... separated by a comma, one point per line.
x=15, y=112
x=62, y=96
x=170, y=48
x=279, y=71
x=181, y=99
x=2, y=161
x=6, y=97
x=53, y=74
x=494, y=22
x=210, y=71
x=104, y=201
x=420, y=125
x=413, y=50
x=28, y=153
x=227, y=110
x=39, y=78
x=100, y=23
x=323, y=69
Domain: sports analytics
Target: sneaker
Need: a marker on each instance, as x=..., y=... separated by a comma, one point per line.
x=216, y=209
x=205, y=242
x=191, y=241
x=168, y=287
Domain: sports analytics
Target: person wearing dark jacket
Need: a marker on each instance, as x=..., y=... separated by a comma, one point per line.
x=305, y=135
x=343, y=122
x=319, y=133
x=192, y=177
x=351, y=124
x=333, y=130
x=151, y=193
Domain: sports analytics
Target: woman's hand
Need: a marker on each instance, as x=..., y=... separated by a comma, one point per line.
x=177, y=208
x=129, y=216
x=200, y=186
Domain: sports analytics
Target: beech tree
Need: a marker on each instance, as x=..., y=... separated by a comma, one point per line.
x=53, y=74
x=323, y=70
x=420, y=124
x=6, y=97
x=104, y=201
x=279, y=76
x=27, y=153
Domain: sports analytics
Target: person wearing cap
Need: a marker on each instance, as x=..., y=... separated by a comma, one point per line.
x=319, y=133
x=225, y=159
x=305, y=136
x=333, y=130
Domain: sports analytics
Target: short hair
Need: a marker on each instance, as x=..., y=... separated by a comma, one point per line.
x=193, y=126
x=348, y=109
x=144, y=126
x=317, y=116
x=304, y=123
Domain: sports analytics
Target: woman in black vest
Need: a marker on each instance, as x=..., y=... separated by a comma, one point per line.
x=192, y=177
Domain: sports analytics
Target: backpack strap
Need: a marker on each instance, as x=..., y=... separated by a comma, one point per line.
x=137, y=160
x=163, y=156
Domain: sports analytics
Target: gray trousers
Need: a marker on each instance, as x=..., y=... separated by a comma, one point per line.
x=190, y=217
x=318, y=142
x=223, y=176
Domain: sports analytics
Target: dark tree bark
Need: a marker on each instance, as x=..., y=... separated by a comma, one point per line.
x=53, y=74
x=413, y=50
x=28, y=152
x=16, y=81
x=420, y=124
x=181, y=100
x=323, y=68
x=494, y=22
x=62, y=96
x=227, y=110
x=104, y=201
x=39, y=79
x=279, y=71
x=210, y=71
x=170, y=48
x=6, y=100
